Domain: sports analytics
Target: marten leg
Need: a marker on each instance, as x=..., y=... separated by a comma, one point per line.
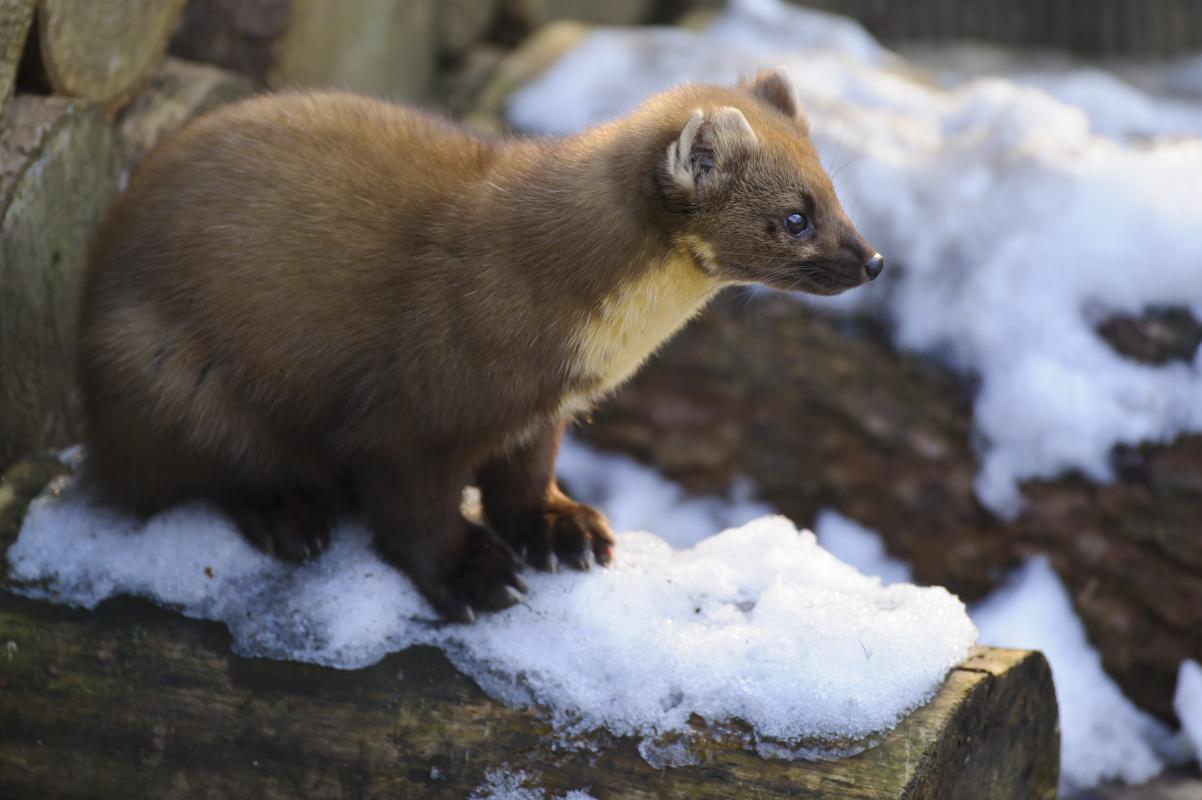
x=293, y=525
x=413, y=510
x=525, y=505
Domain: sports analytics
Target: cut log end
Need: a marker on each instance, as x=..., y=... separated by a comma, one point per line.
x=103, y=51
x=197, y=718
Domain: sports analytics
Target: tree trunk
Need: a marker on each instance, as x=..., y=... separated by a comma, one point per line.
x=133, y=701
x=59, y=169
x=102, y=51
x=15, y=17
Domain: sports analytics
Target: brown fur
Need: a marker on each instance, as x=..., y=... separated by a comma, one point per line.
x=306, y=298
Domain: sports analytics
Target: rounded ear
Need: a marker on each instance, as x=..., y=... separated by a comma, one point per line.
x=775, y=88
x=706, y=145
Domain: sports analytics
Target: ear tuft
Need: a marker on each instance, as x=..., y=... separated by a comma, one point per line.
x=705, y=144
x=775, y=87
x=680, y=152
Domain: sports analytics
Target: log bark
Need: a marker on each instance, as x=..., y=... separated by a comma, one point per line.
x=59, y=169
x=178, y=92
x=133, y=701
x=823, y=413
x=375, y=46
x=102, y=51
x=15, y=18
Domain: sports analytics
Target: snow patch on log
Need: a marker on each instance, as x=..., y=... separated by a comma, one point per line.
x=756, y=631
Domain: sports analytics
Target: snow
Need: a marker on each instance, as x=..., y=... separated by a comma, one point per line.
x=1187, y=702
x=1012, y=218
x=862, y=548
x=502, y=784
x=755, y=623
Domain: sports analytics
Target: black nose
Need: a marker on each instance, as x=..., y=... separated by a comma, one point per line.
x=874, y=265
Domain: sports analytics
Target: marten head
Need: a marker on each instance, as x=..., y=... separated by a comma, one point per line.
x=751, y=200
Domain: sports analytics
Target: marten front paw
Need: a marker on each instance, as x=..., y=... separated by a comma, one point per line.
x=486, y=579
x=565, y=528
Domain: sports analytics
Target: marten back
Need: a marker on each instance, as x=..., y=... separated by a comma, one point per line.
x=274, y=278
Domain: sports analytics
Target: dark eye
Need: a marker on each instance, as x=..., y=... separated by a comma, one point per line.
x=797, y=223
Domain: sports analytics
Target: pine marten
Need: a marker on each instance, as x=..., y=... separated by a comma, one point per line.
x=312, y=299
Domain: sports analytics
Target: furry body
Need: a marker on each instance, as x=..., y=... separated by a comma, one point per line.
x=303, y=299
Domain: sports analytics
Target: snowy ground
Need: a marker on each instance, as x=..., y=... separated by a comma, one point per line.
x=1014, y=212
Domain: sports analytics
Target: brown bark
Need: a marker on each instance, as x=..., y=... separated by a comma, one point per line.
x=132, y=701
x=820, y=412
x=102, y=51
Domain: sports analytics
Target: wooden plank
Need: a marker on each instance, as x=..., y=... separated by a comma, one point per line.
x=133, y=701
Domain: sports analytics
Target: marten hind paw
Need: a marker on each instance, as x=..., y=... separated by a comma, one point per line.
x=568, y=530
x=486, y=579
x=291, y=526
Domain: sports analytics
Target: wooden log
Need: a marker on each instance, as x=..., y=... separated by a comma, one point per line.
x=102, y=51
x=15, y=18
x=380, y=47
x=130, y=699
x=178, y=92
x=59, y=169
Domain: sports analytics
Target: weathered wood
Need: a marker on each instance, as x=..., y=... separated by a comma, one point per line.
x=824, y=413
x=59, y=169
x=15, y=18
x=132, y=701
x=102, y=51
x=376, y=46
x=178, y=92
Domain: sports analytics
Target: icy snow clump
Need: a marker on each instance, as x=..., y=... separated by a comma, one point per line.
x=755, y=623
x=1010, y=224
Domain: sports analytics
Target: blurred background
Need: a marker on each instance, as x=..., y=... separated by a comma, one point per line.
x=1012, y=412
